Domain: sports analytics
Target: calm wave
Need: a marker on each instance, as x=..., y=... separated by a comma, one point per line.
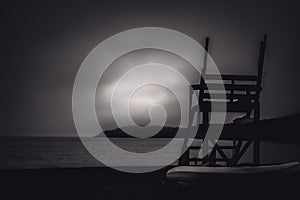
x=20, y=153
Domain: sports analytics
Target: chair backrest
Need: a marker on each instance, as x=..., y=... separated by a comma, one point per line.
x=242, y=91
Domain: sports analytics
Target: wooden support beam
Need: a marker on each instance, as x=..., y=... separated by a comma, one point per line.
x=222, y=154
x=256, y=153
x=242, y=152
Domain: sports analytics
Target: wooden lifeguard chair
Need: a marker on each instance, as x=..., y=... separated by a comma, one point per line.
x=242, y=96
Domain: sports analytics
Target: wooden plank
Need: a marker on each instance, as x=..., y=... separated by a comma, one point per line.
x=228, y=96
x=201, y=159
x=256, y=152
x=229, y=87
x=195, y=147
x=261, y=59
x=227, y=147
x=230, y=77
x=205, y=55
x=230, y=107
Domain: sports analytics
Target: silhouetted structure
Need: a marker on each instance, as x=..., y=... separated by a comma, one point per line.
x=242, y=96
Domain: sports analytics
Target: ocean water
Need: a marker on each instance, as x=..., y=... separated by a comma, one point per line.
x=35, y=152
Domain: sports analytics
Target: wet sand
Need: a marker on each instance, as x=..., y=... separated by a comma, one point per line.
x=106, y=183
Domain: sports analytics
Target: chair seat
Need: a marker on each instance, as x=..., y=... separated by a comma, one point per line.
x=238, y=106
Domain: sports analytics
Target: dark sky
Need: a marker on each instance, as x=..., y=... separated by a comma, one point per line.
x=43, y=45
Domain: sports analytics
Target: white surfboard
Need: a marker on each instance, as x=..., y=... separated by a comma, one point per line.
x=190, y=173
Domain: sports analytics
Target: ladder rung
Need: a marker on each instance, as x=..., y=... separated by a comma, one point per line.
x=201, y=159
x=221, y=147
x=195, y=147
x=227, y=147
